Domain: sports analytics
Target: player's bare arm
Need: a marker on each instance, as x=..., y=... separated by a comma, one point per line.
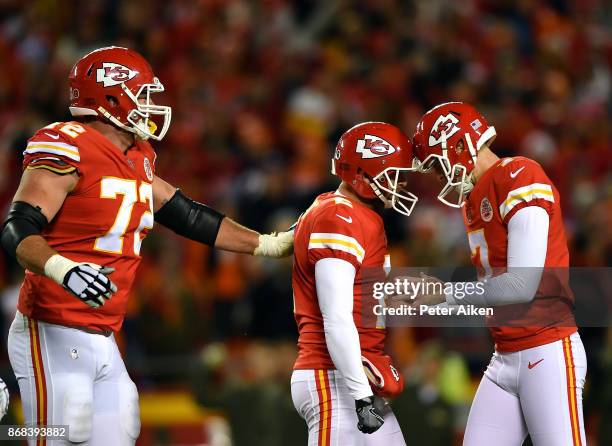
x=39, y=197
x=45, y=191
x=201, y=223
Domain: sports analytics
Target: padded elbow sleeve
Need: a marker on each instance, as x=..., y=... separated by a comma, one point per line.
x=190, y=219
x=22, y=220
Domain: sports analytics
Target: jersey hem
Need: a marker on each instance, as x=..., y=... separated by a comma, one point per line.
x=515, y=346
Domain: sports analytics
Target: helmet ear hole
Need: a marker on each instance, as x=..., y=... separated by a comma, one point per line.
x=112, y=100
x=90, y=70
x=459, y=147
x=362, y=173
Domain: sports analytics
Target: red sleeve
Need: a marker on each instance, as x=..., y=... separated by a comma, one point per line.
x=337, y=233
x=522, y=182
x=51, y=150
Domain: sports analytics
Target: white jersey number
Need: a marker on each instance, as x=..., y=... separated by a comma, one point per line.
x=112, y=188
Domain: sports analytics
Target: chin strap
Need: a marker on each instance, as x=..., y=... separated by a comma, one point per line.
x=488, y=136
x=135, y=130
x=380, y=195
x=471, y=149
x=468, y=184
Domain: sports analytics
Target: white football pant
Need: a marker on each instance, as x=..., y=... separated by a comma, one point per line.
x=536, y=391
x=323, y=401
x=70, y=377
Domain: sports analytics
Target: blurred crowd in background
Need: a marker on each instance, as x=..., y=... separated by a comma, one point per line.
x=260, y=92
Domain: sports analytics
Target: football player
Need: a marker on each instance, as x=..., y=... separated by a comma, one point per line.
x=342, y=373
x=87, y=198
x=4, y=399
x=533, y=384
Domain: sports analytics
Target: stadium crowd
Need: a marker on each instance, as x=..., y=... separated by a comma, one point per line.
x=260, y=92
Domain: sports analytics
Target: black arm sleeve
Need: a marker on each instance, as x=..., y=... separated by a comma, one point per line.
x=190, y=219
x=22, y=220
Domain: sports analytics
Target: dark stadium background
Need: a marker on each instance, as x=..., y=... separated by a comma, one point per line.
x=260, y=93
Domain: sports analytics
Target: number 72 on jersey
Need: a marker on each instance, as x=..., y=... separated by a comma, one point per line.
x=112, y=188
x=130, y=193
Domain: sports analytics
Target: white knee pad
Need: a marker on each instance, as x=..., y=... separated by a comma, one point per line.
x=129, y=410
x=78, y=404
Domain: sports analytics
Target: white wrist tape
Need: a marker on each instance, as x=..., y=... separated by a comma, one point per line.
x=57, y=267
x=273, y=245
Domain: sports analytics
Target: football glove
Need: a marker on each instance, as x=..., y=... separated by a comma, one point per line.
x=275, y=245
x=369, y=417
x=87, y=281
x=4, y=399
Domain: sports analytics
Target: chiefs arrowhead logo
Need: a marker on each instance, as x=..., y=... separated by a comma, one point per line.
x=446, y=124
x=374, y=147
x=114, y=74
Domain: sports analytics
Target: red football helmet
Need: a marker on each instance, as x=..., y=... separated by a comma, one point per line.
x=373, y=157
x=116, y=84
x=452, y=133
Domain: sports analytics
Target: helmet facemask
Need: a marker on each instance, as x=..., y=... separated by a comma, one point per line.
x=139, y=119
x=458, y=181
x=449, y=138
x=389, y=185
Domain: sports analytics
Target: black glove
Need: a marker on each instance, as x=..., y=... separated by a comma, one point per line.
x=370, y=418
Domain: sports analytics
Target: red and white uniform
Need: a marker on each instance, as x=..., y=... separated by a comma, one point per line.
x=103, y=220
x=62, y=351
x=498, y=196
x=337, y=228
x=321, y=233
x=534, y=381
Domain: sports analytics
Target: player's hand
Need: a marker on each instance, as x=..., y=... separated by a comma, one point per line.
x=87, y=281
x=424, y=290
x=4, y=399
x=275, y=245
x=369, y=417
x=432, y=291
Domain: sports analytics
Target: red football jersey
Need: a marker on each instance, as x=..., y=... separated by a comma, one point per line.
x=512, y=184
x=334, y=226
x=103, y=220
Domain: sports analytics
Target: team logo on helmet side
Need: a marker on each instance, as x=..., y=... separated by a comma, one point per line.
x=486, y=210
x=372, y=146
x=114, y=74
x=446, y=124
